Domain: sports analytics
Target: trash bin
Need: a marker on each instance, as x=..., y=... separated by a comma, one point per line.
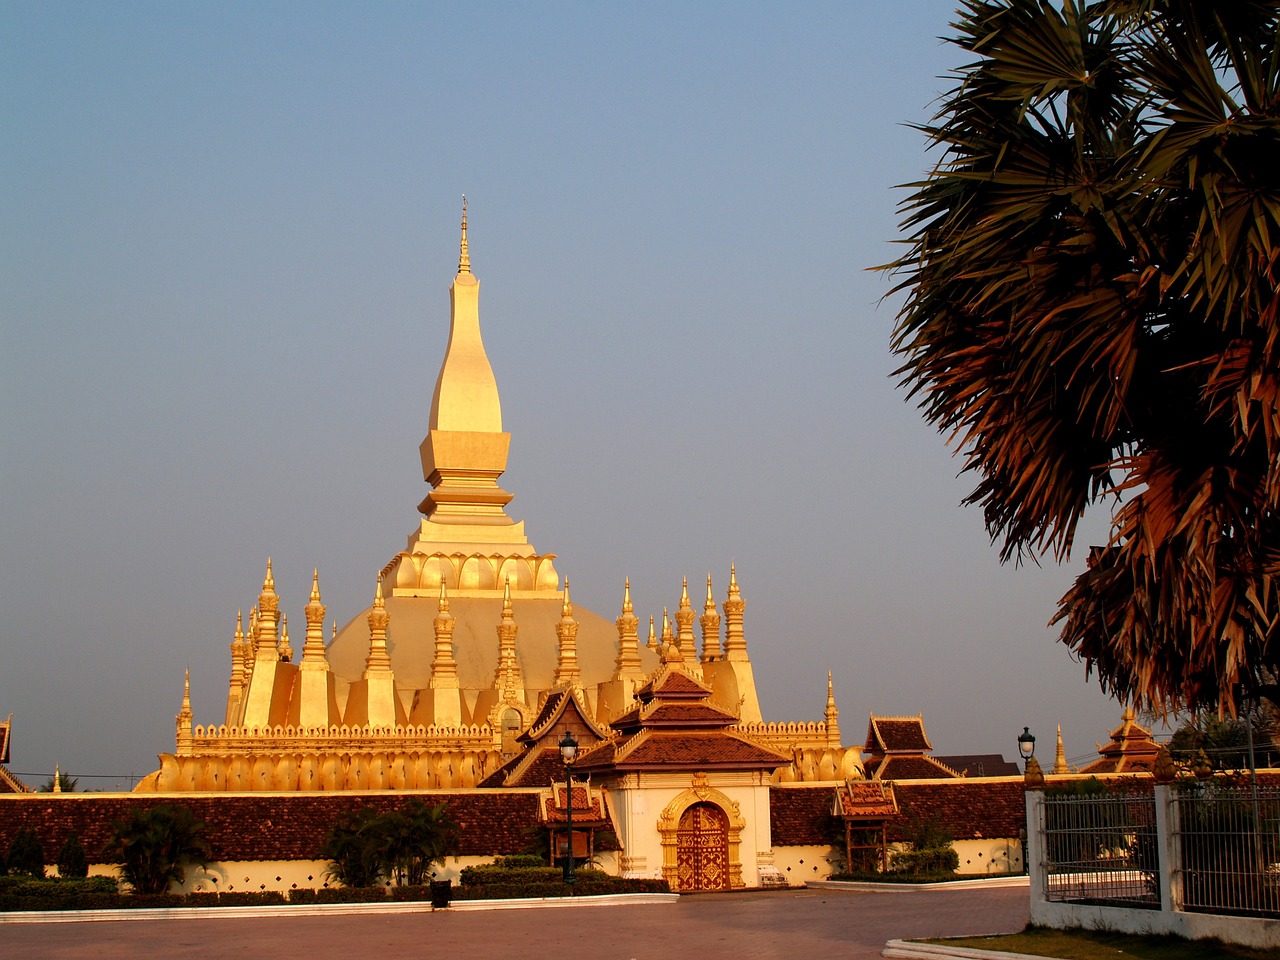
x=441, y=890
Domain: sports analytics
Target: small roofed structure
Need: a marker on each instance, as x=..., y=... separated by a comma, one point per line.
x=538, y=763
x=866, y=806
x=8, y=782
x=590, y=813
x=1131, y=749
x=897, y=749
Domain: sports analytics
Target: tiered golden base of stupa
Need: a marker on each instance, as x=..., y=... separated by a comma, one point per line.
x=336, y=758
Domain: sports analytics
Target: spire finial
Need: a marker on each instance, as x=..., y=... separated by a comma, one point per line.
x=443, y=604
x=626, y=596
x=567, y=608
x=506, y=595
x=315, y=585
x=269, y=580
x=464, y=255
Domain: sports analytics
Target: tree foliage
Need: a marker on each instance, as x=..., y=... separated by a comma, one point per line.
x=156, y=845
x=26, y=853
x=399, y=846
x=1091, y=318
x=72, y=860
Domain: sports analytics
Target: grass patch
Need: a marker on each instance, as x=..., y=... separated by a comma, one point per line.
x=1105, y=945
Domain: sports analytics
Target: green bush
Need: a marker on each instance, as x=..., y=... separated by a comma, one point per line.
x=26, y=854
x=249, y=898
x=31, y=893
x=932, y=861
x=401, y=846
x=156, y=845
x=596, y=884
x=72, y=861
x=339, y=895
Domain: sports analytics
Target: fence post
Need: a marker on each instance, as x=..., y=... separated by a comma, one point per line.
x=1033, y=852
x=1169, y=866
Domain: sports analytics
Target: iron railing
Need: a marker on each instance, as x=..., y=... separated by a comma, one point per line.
x=1228, y=843
x=1102, y=849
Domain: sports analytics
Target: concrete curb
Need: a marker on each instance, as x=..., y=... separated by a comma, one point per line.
x=866, y=887
x=328, y=909
x=906, y=950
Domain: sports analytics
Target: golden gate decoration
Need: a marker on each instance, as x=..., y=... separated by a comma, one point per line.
x=671, y=825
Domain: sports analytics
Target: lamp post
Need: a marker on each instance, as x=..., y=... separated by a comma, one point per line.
x=1026, y=746
x=568, y=751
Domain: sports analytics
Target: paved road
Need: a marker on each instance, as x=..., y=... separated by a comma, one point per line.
x=792, y=924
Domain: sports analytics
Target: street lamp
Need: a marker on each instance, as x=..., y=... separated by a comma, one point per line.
x=1026, y=745
x=568, y=752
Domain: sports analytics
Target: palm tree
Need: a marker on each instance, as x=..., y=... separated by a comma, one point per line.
x=156, y=845
x=1091, y=316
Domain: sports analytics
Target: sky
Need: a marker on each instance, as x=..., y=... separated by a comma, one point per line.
x=227, y=233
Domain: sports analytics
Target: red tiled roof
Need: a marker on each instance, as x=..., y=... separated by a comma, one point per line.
x=910, y=767
x=866, y=800
x=683, y=749
x=673, y=684
x=897, y=735
x=588, y=806
x=980, y=765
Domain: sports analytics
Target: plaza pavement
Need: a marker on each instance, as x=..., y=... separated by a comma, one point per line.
x=793, y=924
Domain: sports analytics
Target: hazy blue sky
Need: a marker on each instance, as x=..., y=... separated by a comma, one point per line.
x=227, y=232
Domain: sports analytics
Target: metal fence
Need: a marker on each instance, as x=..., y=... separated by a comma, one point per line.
x=1102, y=849
x=1227, y=841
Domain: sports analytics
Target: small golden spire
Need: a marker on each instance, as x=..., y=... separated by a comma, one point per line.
x=506, y=596
x=315, y=585
x=464, y=255
x=831, y=692
x=710, y=605
x=443, y=606
x=186, y=690
x=1060, y=758
x=566, y=609
x=653, y=636
x=57, y=778
x=285, y=648
x=269, y=582
x=684, y=594
x=626, y=596
x=335, y=630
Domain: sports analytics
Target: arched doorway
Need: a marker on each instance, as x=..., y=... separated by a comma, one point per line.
x=702, y=848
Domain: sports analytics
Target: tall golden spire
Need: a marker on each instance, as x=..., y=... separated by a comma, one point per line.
x=567, y=633
x=628, y=663
x=185, y=718
x=379, y=660
x=464, y=255
x=831, y=715
x=710, y=622
x=444, y=668
x=735, y=643
x=508, y=680
x=313, y=645
x=684, y=623
x=268, y=617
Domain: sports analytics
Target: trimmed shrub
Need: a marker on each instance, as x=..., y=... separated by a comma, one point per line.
x=72, y=861
x=26, y=854
x=340, y=895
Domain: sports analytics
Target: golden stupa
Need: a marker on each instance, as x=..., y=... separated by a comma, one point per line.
x=469, y=631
